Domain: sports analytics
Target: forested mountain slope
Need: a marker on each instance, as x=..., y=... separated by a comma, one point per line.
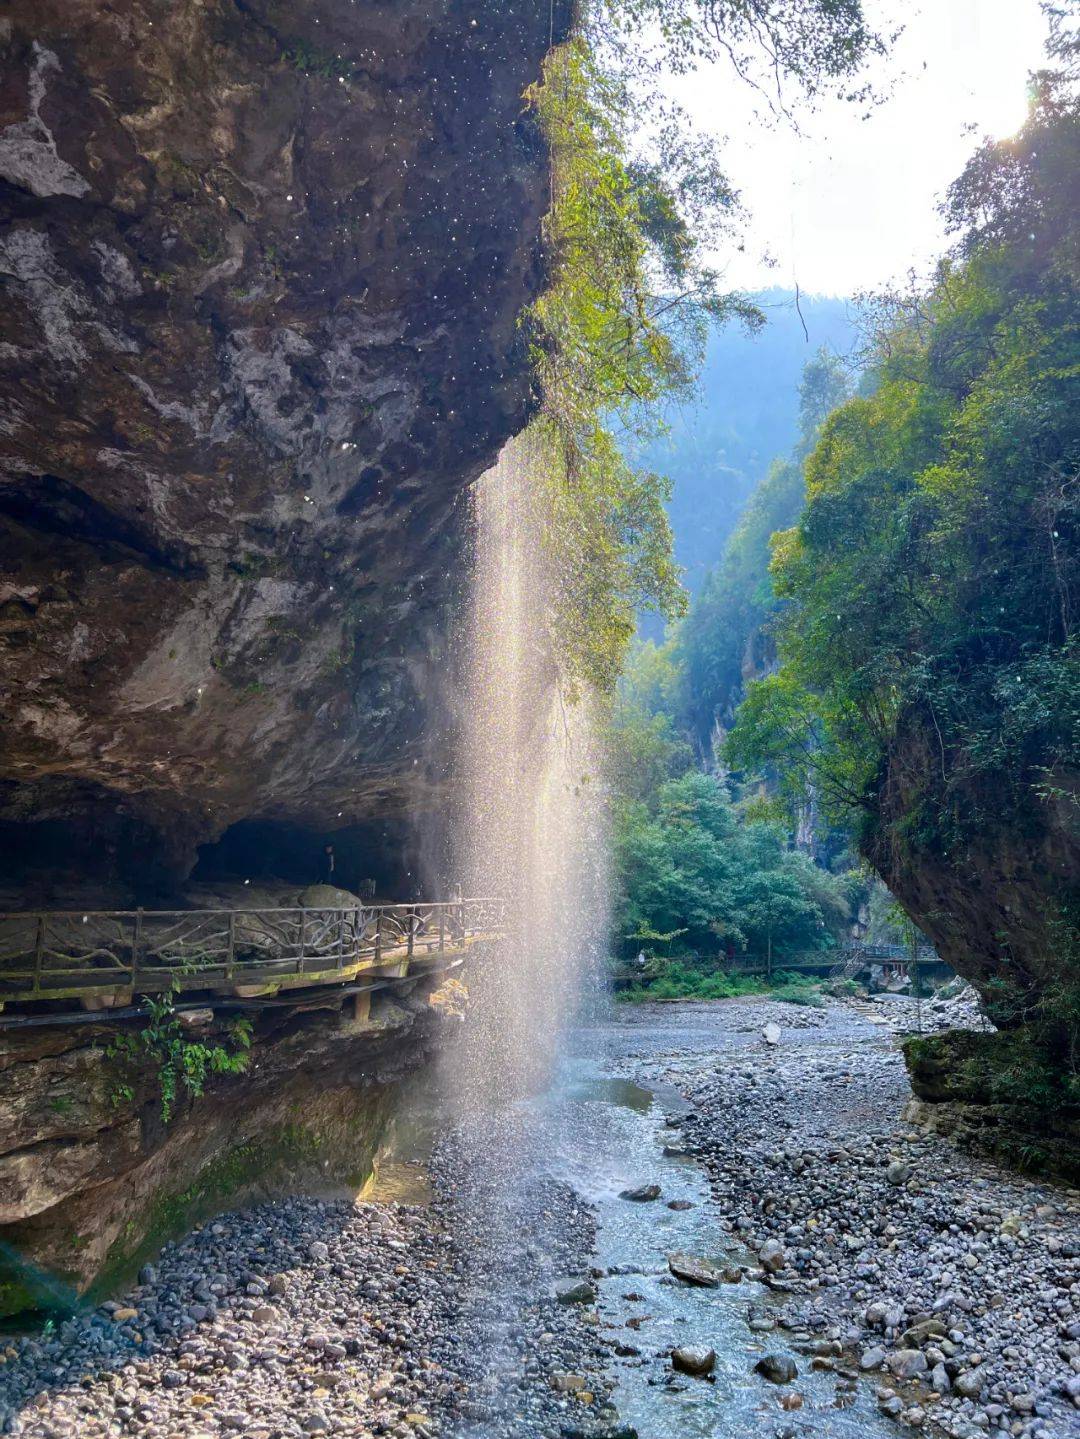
x=929, y=679
x=719, y=449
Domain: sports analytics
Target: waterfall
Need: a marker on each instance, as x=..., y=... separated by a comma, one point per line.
x=531, y=824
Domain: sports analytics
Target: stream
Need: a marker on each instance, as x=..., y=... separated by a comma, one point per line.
x=601, y=1133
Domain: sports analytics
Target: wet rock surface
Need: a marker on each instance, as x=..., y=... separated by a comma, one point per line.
x=309, y=1317
x=956, y=1282
x=262, y=269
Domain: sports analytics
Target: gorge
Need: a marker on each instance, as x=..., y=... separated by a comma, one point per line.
x=340, y=796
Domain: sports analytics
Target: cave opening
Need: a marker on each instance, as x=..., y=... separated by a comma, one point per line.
x=380, y=860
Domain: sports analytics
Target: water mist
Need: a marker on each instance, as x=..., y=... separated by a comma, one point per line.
x=531, y=828
x=531, y=831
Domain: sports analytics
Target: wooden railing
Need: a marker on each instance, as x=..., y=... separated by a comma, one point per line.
x=105, y=957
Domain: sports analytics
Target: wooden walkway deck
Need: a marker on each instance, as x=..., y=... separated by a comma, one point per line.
x=104, y=959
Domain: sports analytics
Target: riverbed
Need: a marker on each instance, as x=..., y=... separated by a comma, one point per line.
x=494, y=1283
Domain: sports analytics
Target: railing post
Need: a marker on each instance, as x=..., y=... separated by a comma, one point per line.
x=39, y=952
x=442, y=929
x=410, y=942
x=300, y=951
x=341, y=940
x=378, y=937
x=136, y=948
x=230, y=958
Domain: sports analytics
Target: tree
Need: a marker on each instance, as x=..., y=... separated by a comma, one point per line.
x=688, y=864
x=639, y=202
x=929, y=675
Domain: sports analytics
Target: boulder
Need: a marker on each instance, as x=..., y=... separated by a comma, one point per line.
x=699, y=1273
x=575, y=1291
x=777, y=1368
x=642, y=1194
x=693, y=1359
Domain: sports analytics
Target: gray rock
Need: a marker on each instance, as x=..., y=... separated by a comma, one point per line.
x=906, y=1363
x=693, y=1271
x=872, y=1358
x=575, y=1291
x=777, y=1368
x=694, y=1359
x=771, y=1256
x=969, y=1383
x=642, y=1193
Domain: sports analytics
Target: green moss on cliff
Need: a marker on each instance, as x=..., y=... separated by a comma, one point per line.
x=1008, y=1068
x=288, y=1158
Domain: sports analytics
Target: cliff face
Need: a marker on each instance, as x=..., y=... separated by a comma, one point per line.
x=262, y=265
x=92, y=1181
x=996, y=892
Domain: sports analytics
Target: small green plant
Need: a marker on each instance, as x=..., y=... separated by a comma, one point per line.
x=180, y=1063
x=311, y=61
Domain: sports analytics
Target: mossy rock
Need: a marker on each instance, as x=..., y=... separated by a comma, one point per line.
x=1009, y=1067
x=1001, y=1094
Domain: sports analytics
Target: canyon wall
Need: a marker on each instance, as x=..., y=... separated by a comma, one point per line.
x=93, y=1179
x=262, y=268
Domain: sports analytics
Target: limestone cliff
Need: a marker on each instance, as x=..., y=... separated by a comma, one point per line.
x=92, y=1180
x=995, y=890
x=262, y=265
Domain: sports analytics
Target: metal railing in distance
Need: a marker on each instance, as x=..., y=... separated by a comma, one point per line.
x=108, y=956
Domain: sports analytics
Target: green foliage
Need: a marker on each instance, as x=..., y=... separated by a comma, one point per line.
x=931, y=585
x=685, y=979
x=728, y=629
x=812, y=44
x=645, y=747
x=178, y=1062
x=686, y=865
x=621, y=324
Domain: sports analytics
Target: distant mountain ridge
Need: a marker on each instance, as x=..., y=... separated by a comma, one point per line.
x=719, y=449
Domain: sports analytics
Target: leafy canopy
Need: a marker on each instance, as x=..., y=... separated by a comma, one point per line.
x=931, y=585
x=638, y=204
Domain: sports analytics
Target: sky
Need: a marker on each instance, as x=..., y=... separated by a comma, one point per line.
x=848, y=204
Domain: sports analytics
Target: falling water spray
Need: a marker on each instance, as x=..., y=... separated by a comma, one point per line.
x=531, y=828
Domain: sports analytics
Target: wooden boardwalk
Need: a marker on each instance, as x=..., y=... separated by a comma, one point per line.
x=104, y=959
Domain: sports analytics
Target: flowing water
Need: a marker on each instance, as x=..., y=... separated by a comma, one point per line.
x=529, y=1090
x=531, y=825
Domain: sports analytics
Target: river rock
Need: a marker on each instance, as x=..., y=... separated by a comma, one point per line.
x=920, y=1333
x=777, y=1368
x=694, y=1359
x=568, y=1383
x=693, y=1271
x=906, y=1363
x=575, y=1291
x=771, y=1256
x=642, y=1193
x=970, y=1383
x=771, y=1033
